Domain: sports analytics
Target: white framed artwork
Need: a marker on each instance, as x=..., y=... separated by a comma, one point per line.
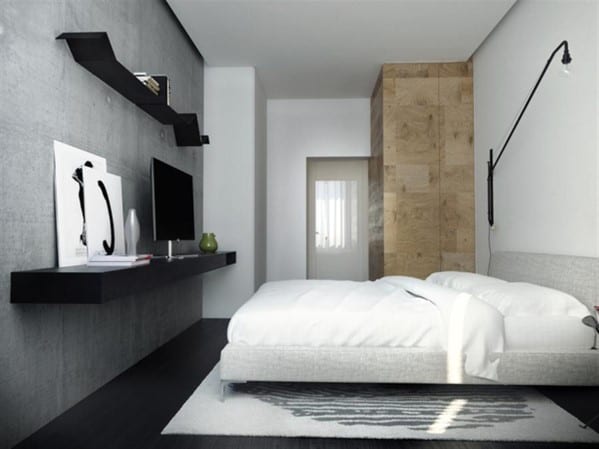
x=71, y=229
x=103, y=212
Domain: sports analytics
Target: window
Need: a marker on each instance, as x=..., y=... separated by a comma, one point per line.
x=336, y=215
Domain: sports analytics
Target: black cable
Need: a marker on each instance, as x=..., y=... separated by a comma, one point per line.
x=489, y=243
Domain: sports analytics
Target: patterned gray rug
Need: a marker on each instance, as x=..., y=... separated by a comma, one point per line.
x=496, y=413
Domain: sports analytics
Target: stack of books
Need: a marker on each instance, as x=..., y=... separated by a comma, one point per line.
x=149, y=82
x=101, y=260
x=165, y=91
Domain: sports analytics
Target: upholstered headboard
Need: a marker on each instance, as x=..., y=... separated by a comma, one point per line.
x=578, y=276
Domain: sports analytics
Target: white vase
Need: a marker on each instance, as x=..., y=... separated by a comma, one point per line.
x=131, y=233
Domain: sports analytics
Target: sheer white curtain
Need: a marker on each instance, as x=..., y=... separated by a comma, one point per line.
x=336, y=220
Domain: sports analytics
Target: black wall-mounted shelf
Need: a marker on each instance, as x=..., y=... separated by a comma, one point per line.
x=95, y=285
x=94, y=52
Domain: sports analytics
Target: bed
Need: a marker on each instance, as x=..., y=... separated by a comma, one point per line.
x=541, y=352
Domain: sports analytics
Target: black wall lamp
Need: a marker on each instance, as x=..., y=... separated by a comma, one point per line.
x=492, y=164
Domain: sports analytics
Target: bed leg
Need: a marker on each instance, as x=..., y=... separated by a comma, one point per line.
x=591, y=421
x=222, y=389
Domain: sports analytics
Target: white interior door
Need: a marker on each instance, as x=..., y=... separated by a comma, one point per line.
x=338, y=219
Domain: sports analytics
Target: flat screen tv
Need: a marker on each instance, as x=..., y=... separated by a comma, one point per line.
x=172, y=203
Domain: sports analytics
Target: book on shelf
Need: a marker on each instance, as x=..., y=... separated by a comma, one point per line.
x=152, y=88
x=119, y=258
x=151, y=83
x=165, y=87
x=119, y=264
x=148, y=81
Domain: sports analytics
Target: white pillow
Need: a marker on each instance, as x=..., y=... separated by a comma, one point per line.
x=523, y=299
x=462, y=281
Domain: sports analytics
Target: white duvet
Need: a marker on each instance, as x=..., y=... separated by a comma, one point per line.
x=382, y=313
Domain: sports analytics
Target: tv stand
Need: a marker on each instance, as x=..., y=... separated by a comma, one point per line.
x=169, y=256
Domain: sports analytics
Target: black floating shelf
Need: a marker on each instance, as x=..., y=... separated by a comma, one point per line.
x=94, y=52
x=95, y=285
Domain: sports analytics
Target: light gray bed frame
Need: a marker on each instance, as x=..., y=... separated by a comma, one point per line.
x=575, y=275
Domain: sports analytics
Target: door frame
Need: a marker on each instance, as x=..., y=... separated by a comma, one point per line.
x=310, y=239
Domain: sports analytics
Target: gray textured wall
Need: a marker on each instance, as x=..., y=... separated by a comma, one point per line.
x=259, y=186
x=51, y=356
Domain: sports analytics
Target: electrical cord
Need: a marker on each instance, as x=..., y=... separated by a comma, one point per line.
x=490, y=251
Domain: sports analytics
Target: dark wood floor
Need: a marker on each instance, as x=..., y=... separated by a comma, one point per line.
x=131, y=410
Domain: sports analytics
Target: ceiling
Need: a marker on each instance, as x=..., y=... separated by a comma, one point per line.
x=334, y=48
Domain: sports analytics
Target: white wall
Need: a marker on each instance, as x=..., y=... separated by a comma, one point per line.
x=298, y=129
x=231, y=116
x=546, y=182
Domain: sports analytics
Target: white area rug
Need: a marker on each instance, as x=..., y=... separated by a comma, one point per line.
x=458, y=412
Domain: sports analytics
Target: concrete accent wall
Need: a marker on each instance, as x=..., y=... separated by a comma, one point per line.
x=52, y=356
x=260, y=228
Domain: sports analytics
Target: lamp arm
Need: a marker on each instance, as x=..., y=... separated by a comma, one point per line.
x=532, y=93
x=492, y=164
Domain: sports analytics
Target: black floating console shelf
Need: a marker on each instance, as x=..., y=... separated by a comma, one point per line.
x=96, y=285
x=94, y=52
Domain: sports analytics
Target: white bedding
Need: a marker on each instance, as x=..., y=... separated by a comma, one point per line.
x=513, y=298
x=471, y=329
x=382, y=313
x=472, y=325
x=546, y=332
x=335, y=313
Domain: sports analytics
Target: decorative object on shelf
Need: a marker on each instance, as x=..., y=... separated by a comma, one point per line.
x=131, y=232
x=71, y=228
x=148, y=81
x=119, y=260
x=208, y=243
x=591, y=321
x=492, y=164
x=103, y=199
x=94, y=52
x=165, y=88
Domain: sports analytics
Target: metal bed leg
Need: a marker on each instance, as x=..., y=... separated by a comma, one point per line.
x=223, y=387
x=589, y=422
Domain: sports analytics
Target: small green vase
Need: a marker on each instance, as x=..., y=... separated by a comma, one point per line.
x=208, y=243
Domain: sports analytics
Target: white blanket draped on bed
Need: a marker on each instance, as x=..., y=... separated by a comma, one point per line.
x=382, y=313
x=471, y=327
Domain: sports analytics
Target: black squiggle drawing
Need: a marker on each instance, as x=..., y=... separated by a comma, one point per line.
x=78, y=177
x=108, y=248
